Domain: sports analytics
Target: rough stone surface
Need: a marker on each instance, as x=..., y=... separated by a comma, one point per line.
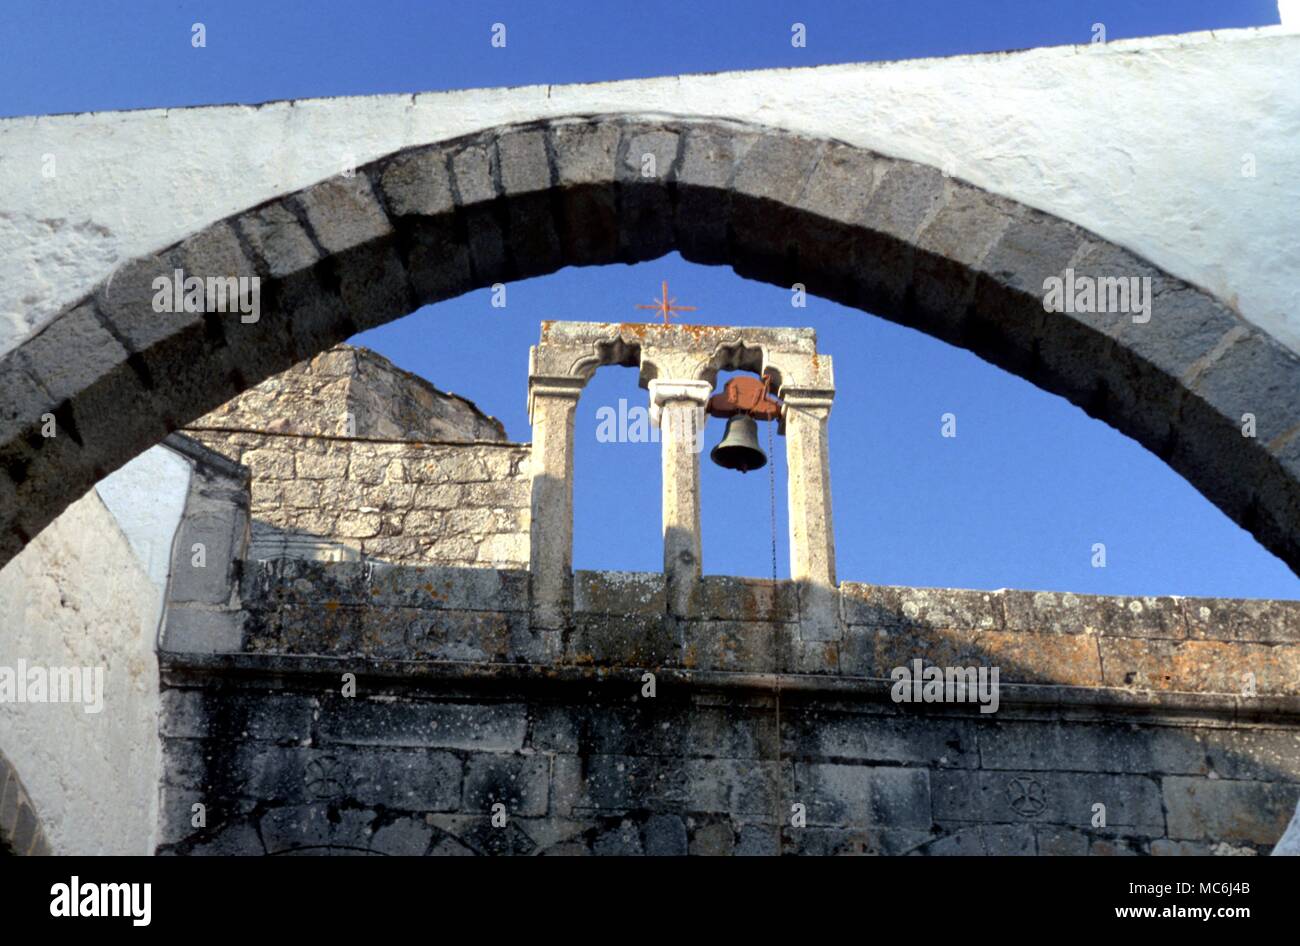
x=636, y=721
x=622, y=751
x=351, y=456
x=632, y=776
x=349, y=391
x=416, y=760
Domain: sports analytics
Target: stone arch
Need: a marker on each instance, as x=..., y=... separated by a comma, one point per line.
x=892, y=237
x=21, y=831
x=553, y=520
x=617, y=352
x=625, y=347
x=754, y=359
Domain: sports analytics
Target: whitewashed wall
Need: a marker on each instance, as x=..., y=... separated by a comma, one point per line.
x=88, y=592
x=1143, y=141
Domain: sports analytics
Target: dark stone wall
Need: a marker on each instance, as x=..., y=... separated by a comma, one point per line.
x=413, y=767
x=21, y=831
x=458, y=709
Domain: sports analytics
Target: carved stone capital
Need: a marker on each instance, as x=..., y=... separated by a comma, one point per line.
x=561, y=386
x=816, y=401
x=664, y=390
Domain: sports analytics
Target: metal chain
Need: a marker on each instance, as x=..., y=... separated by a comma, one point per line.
x=771, y=491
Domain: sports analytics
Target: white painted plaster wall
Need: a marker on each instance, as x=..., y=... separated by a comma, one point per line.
x=1143, y=141
x=78, y=596
x=147, y=498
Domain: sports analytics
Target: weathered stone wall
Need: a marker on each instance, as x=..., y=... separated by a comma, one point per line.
x=461, y=705
x=350, y=456
x=350, y=391
x=396, y=501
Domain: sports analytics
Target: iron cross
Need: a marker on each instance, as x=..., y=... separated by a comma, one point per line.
x=664, y=305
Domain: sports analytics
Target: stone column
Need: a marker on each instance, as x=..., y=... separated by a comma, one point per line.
x=812, y=542
x=552, y=402
x=677, y=407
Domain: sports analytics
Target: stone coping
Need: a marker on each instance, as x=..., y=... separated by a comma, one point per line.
x=879, y=607
x=750, y=629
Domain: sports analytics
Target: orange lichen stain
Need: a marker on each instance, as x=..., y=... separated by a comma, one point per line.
x=703, y=332
x=331, y=605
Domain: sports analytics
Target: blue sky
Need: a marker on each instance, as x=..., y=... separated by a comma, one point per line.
x=1017, y=499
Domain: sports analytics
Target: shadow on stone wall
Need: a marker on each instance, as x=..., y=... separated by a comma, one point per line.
x=21, y=831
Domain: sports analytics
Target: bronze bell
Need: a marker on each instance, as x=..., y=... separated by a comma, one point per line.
x=739, y=449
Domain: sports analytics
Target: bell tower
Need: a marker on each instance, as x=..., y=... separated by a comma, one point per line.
x=679, y=366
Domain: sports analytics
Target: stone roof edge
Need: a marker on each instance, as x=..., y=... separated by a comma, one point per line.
x=369, y=353
x=203, y=456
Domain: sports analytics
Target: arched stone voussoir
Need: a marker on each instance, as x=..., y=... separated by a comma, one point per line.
x=66, y=390
x=21, y=831
x=892, y=237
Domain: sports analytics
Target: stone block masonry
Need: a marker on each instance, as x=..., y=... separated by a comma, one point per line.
x=350, y=456
x=396, y=501
x=1127, y=725
x=373, y=674
x=754, y=741
x=349, y=391
x=403, y=770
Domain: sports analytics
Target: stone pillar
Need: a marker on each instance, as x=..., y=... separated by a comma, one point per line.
x=677, y=407
x=552, y=402
x=812, y=542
